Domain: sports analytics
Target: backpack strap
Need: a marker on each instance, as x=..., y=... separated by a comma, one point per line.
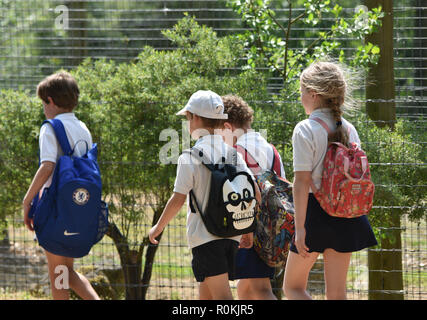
x=60, y=134
x=199, y=154
x=276, y=162
x=194, y=207
x=323, y=124
x=250, y=161
x=191, y=199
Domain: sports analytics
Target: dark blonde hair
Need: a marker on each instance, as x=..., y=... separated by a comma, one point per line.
x=239, y=112
x=62, y=88
x=328, y=80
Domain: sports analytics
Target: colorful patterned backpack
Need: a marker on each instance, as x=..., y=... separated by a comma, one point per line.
x=275, y=215
x=346, y=189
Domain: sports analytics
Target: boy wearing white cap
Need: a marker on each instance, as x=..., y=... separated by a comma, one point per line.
x=213, y=257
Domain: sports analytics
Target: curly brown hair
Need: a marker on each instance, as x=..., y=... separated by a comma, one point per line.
x=239, y=112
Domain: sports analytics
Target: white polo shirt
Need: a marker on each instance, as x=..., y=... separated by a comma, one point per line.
x=193, y=175
x=310, y=142
x=260, y=150
x=76, y=130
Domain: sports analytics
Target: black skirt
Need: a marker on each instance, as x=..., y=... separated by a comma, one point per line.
x=341, y=234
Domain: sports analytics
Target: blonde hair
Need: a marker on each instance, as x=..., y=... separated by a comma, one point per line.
x=328, y=79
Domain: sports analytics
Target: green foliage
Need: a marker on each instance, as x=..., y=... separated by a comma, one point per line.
x=268, y=40
x=127, y=106
x=20, y=118
x=270, y=45
x=397, y=169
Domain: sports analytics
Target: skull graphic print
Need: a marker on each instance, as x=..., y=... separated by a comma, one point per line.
x=239, y=198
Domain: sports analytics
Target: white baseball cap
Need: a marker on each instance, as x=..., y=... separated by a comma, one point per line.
x=205, y=103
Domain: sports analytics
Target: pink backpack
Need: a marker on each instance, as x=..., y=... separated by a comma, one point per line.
x=346, y=189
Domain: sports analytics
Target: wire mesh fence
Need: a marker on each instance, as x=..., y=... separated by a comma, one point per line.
x=40, y=37
x=24, y=273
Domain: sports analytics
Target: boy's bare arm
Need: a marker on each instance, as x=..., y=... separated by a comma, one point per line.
x=173, y=206
x=40, y=178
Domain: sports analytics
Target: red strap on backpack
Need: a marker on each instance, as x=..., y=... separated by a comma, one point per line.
x=250, y=161
x=254, y=165
x=276, y=162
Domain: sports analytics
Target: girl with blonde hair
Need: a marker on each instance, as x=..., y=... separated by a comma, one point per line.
x=324, y=92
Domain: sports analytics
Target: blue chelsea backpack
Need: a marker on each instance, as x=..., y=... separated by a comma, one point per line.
x=70, y=216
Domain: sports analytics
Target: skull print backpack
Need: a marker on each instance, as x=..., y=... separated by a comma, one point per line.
x=230, y=210
x=70, y=216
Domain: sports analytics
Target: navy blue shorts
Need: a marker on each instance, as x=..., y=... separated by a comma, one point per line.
x=323, y=231
x=250, y=265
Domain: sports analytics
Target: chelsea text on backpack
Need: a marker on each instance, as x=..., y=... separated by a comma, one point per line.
x=70, y=216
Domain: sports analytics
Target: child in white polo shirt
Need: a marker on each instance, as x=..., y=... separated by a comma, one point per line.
x=254, y=274
x=213, y=256
x=59, y=94
x=324, y=89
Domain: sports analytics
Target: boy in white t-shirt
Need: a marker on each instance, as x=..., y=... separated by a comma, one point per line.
x=59, y=94
x=213, y=257
x=254, y=274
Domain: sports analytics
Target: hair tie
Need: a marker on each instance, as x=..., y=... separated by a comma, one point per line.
x=339, y=123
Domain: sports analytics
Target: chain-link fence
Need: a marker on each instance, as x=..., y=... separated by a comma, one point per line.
x=40, y=37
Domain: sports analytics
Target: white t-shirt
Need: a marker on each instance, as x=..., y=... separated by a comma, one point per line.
x=193, y=175
x=310, y=142
x=50, y=150
x=260, y=150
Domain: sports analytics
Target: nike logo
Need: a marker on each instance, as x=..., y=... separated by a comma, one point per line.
x=70, y=233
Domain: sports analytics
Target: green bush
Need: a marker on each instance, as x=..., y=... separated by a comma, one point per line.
x=127, y=107
x=396, y=158
x=20, y=120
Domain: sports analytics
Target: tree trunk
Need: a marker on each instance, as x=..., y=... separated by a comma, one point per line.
x=4, y=238
x=149, y=256
x=380, y=87
x=130, y=260
x=77, y=31
x=148, y=268
x=132, y=274
x=420, y=64
x=385, y=263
